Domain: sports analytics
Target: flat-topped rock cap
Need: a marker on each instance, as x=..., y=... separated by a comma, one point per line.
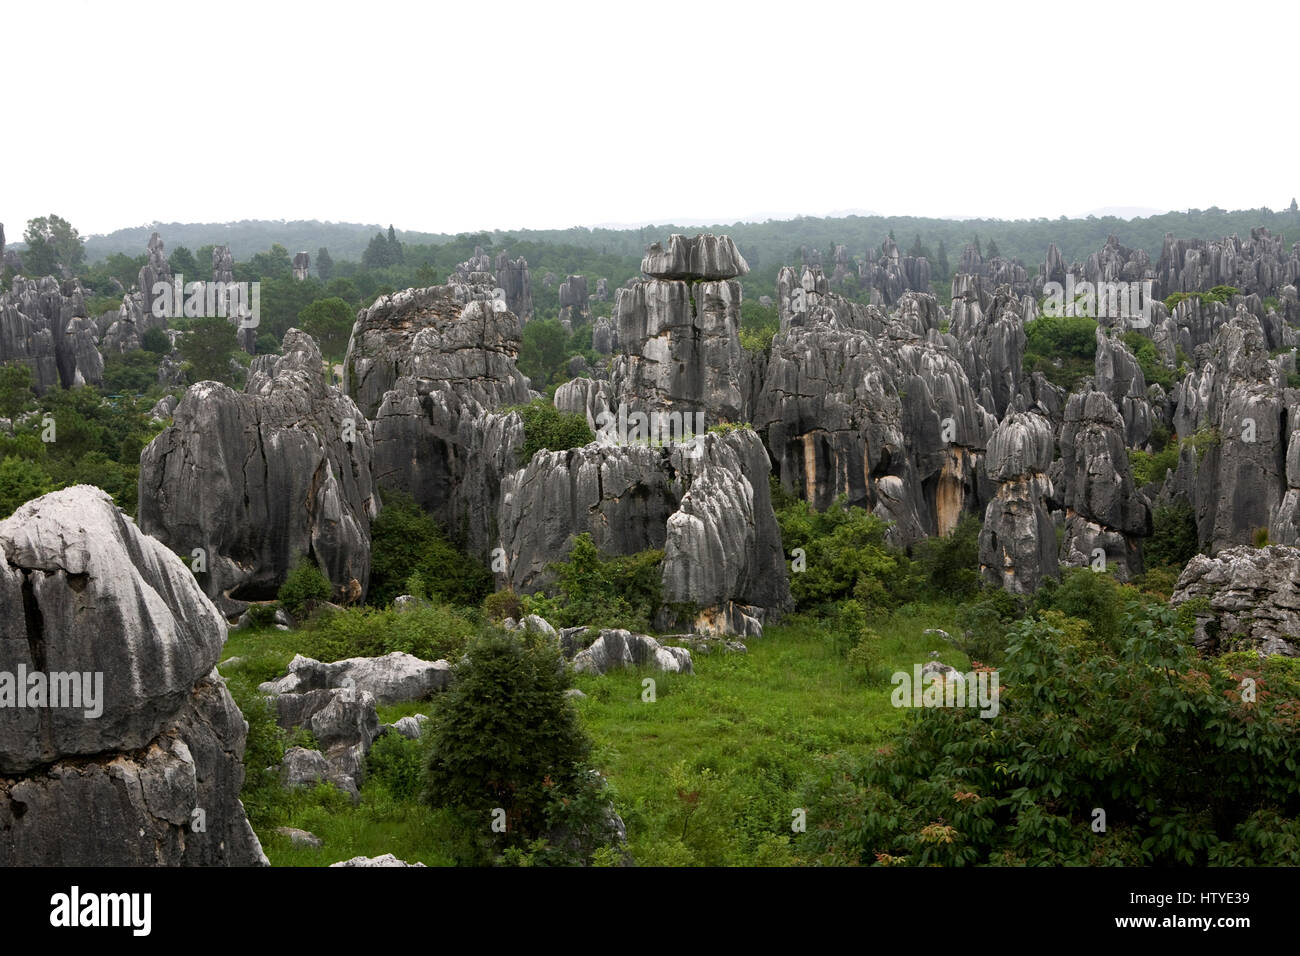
x=703, y=257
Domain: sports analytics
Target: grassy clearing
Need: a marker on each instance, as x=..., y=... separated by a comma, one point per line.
x=707, y=774
x=710, y=772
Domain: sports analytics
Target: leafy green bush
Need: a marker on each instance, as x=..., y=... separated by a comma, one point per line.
x=1087, y=595
x=17, y=394
x=157, y=341
x=1063, y=348
x=1186, y=772
x=622, y=591
x=21, y=480
x=1148, y=359
x=984, y=622
x=130, y=373
x=1220, y=293
x=949, y=566
x=502, y=604
x=1174, y=538
x=429, y=631
x=545, y=426
x=504, y=737
x=398, y=764
x=1148, y=468
x=404, y=540
x=303, y=587
x=845, y=555
x=757, y=326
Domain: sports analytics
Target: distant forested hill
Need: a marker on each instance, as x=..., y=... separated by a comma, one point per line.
x=766, y=245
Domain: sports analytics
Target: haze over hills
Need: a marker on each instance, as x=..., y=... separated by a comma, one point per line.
x=761, y=242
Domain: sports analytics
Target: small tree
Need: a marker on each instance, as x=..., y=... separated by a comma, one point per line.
x=329, y=322
x=52, y=242
x=324, y=264
x=304, y=586
x=506, y=741
x=207, y=349
x=16, y=394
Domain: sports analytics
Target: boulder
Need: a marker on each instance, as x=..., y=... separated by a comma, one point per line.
x=1253, y=595
x=386, y=860
x=151, y=749
x=259, y=479
x=391, y=679
x=619, y=648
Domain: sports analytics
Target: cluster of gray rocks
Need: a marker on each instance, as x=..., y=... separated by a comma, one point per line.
x=920, y=412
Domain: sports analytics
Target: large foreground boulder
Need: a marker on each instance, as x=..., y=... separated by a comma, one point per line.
x=132, y=753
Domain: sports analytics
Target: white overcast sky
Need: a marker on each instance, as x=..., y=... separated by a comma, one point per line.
x=479, y=115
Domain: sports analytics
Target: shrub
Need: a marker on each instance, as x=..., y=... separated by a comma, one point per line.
x=502, y=604
x=1148, y=359
x=983, y=624
x=846, y=556
x=155, y=340
x=1092, y=596
x=130, y=373
x=622, y=591
x=398, y=764
x=866, y=660
x=304, y=586
x=505, y=736
x=1187, y=772
x=1148, y=468
x=949, y=566
x=1174, y=538
x=17, y=392
x=404, y=540
x=429, y=631
x=546, y=427
x=21, y=480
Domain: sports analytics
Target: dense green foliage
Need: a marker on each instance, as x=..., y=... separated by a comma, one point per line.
x=405, y=542
x=329, y=322
x=505, y=741
x=1174, y=538
x=304, y=587
x=546, y=427
x=207, y=350
x=623, y=591
x=430, y=631
x=73, y=436
x=1063, y=348
x=1134, y=725
x=1148, y=359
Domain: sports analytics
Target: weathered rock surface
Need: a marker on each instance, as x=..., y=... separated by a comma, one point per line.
x=1234, y=399
x=1254, y=598
x=1103, y=509
x=447, y=338
x=514, y=278
x=617, y=648
x=261, y=478
x=390, y=679
x=705, y=256
x=43, y=325
x=875, y=407
x=162, y=737
x=1018, y=541
x=680, y=349
x=708, y=508
x=574, y=303
x=386, y=860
